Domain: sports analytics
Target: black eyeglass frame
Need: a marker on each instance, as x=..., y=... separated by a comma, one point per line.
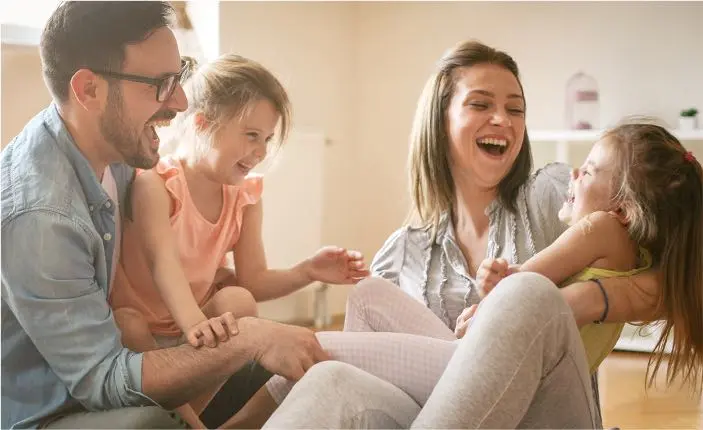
x=160, y=83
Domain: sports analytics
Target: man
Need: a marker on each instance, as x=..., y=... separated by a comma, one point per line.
x=113, y=69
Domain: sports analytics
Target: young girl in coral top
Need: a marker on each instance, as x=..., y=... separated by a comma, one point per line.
x=202, y=202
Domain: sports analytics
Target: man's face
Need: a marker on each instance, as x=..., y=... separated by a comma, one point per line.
x=132, y=110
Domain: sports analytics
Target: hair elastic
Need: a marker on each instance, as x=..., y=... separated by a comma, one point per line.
x=605, y=299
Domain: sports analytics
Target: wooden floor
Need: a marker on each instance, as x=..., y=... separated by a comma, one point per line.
x=624, y=401
x=627, y=405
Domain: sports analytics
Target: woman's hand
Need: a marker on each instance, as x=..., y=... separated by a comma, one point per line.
x=336, y=265
x=211, y=331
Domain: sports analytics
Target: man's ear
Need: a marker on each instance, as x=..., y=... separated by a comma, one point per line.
x=89, y=90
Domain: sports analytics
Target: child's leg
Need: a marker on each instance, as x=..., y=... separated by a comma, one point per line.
x=241, y=303
x=254, y=413
x=412, y=363
x=137, y=337
x=379, y=305
x=237, y=300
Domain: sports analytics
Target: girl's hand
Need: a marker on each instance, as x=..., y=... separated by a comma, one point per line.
x=463, y=322
x=490, y=272
x=336, y=265
x=211, y=332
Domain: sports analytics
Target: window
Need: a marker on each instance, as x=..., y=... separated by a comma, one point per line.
x=21, y=22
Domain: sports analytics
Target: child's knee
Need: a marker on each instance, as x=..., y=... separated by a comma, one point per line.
x=237, y=300
x=129, y=317
x=134, y=328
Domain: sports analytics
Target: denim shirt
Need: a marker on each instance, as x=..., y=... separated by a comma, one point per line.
x=61, y=349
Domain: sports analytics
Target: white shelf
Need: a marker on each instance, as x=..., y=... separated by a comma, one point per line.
x=567, y=138
x=593, y=135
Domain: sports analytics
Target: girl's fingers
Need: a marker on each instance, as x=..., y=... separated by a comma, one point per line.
x=231, y=323
x=218, y=329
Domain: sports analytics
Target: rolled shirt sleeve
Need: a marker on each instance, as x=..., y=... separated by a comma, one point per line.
x=49, y=283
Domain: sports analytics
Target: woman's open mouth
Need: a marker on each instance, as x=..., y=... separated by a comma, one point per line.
x=492, y=145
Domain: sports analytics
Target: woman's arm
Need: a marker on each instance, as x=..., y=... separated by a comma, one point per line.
x=251, y=269
x=151, y=205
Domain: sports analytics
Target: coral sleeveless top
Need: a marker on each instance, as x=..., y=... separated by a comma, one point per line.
x=201, y=244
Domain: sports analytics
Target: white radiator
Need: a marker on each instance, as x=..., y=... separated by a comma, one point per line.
x=293, y=209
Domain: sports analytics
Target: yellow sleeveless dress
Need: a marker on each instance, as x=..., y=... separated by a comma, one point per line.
x=600, y=339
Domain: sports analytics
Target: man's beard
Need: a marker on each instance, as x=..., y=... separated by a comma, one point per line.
x=118, y=134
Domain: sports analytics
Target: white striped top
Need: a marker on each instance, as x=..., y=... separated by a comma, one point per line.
x=436, y=273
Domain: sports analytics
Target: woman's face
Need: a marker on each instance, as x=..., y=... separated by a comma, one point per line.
x=485, y=123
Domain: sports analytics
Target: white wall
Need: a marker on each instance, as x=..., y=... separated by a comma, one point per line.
x=204, y=16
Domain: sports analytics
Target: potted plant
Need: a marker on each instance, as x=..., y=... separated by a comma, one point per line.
x=688, y=119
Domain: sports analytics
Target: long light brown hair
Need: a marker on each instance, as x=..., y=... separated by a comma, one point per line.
x=660, y=190
x=431, y=184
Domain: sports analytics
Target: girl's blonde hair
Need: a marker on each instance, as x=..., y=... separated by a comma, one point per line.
x=431, y=183
x=221, y=90
x=659, y=187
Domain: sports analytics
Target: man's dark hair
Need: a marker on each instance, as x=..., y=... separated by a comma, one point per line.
x=93, y=35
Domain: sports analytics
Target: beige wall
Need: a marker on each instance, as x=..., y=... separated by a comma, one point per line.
x=309, y=46
x=647, y=58
x=23, y=90
x=355, y=71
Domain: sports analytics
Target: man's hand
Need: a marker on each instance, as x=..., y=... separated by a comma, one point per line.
x=282, y=349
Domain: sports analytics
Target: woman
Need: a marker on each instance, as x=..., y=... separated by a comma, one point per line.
x=523, y=364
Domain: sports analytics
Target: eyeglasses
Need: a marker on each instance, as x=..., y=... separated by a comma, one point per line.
x=165, y=86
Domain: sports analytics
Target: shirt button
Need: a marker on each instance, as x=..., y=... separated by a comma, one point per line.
x=107, y=236
x=91, y=207
x=108, y=204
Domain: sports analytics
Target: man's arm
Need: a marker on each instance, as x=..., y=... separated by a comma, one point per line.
x=176, y=375
x=633, y=298
x=48, y=281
